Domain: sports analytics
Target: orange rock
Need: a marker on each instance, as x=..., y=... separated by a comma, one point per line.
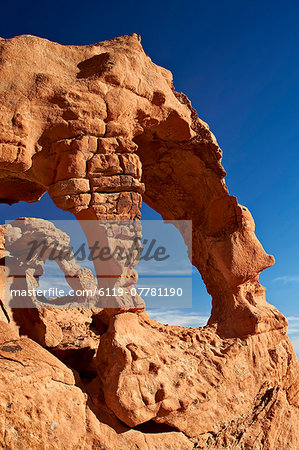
x=100, y=127
x=40, y=404
x=240, y=392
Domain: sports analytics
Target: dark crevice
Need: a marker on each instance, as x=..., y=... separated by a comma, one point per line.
x=4, y=311
x=153, y=427
x=99, y=323
x=79, y=359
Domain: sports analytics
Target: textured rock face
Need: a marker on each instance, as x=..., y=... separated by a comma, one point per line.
x=69, y=118
x=100, y=127
x=197, y=382
x=36, y=391
x=44, y=405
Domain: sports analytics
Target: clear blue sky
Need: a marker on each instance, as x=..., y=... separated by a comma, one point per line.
x=239, y=64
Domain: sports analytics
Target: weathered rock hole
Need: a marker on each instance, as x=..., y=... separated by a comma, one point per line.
x=98, y=324
x=95, y=66
x=153, y=427
x=79, y=359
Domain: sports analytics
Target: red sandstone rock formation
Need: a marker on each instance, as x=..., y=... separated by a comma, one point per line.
x=101, y=127
x=191, y=379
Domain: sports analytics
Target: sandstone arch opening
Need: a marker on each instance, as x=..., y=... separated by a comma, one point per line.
x=47, y=210
x=199, y=314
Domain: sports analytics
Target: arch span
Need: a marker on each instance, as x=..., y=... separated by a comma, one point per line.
x=101, y=127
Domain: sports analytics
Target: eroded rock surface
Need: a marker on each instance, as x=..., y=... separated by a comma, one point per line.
x=40, y=405
x=199, y=383
x=35, y=316
x=100, y=127
x=44, y=405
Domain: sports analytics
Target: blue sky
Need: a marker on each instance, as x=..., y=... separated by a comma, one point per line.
x=239, y=64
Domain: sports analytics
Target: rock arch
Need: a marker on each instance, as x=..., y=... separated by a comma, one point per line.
x=85, y=122
x=100, y=127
